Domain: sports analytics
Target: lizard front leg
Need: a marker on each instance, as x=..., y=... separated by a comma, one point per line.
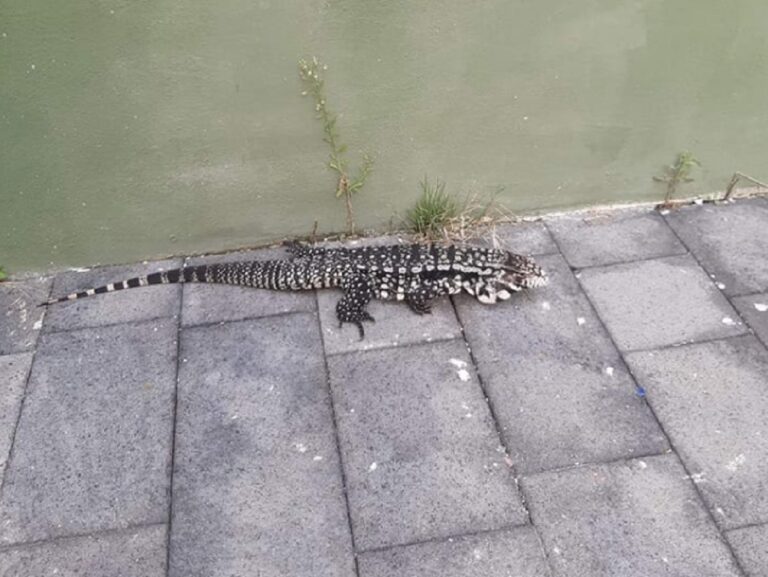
x=420, y=299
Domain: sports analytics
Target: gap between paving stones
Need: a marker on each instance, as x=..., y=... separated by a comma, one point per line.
x=674, y=451
x=336, y=439
x=498, y=431
x=21, y=404
x=174, y=414
x=449, y=538
x=74, y=536
x=728, y=298
x=621, y=353
x=688, y=343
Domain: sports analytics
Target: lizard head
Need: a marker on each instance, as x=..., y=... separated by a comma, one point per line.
x=515, y=274
x=519, y=272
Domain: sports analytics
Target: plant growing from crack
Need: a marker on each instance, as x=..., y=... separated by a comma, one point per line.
x=311, y=74
x=677, y=174
x=439, y=215
x=3, y=274
x=434, y=209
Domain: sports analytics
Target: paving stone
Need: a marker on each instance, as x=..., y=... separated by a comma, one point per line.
x=21, y=318
x=207, y=303
x=613, y=236
x=558, y=386
x=14, y=370
x=751, y=550
x=528, y=238
x=641, y=518
x=117, y=307
x=421, y=455
x=656, y=303
x=257, y=483
x=515, y=552
x=754, y=310
x=711, y=399
x=136, y=552
x=729, y=240
x=92, y=448
x=396, y=325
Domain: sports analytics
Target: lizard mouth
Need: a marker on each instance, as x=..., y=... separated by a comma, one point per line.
x=536, y=281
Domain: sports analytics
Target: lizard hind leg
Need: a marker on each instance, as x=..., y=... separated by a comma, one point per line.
x=351, y=307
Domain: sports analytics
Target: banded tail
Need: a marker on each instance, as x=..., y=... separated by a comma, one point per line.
x=270, y=274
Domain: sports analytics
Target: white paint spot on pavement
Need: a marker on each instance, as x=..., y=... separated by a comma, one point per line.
x=458, y=363
x=761, y=307
x=301, y=447
x=736, y=463
x=373, y=466
x=463, y=374
x=580, y=320
x=609, y=371
x=728, y=321
x=546, y=306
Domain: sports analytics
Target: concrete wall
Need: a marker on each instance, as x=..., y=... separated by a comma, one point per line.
x=132, y=129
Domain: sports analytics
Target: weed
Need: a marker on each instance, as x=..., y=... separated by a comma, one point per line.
x=3, y=274
x=439, y=215
x=310, y=73
x=433, y=211
x=737, y=176
x=677, y=174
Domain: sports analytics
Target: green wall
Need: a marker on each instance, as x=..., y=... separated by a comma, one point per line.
x=133, y=129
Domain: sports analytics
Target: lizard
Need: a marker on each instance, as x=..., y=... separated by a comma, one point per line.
x=414, y=273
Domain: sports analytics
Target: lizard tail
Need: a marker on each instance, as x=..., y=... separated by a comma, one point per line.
x=178, y=275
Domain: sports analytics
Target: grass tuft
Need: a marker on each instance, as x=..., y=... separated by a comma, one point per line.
x=434, y=210
x=438, y=215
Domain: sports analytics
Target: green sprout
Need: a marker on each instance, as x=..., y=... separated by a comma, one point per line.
x=677, y=173
x=311, y=74
x=434, y=210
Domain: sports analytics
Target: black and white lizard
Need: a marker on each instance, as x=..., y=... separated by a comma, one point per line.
x=414, y=273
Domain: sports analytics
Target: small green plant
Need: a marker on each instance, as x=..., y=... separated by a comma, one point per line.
x=434, y=210
x=311, y=73
x=3, y=274
x=677, y=174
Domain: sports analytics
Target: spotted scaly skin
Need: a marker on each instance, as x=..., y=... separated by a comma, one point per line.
x=414, y=273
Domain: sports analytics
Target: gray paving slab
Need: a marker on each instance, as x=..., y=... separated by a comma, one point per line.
x=21, y=319
x=208, y=303
x=754, y=310
x=640, y=518
x=558, y=386
x=136, y=552
x=528, y=238
x=729, y=240
x=750, y=545
x=610, y=237
x=257, y=483
x=421, y=456
x=396, y=325
x=515, y=552
x=14, y=370
x=92, y=448
x=711, y=399
x=660, y=302
x=118, y=307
